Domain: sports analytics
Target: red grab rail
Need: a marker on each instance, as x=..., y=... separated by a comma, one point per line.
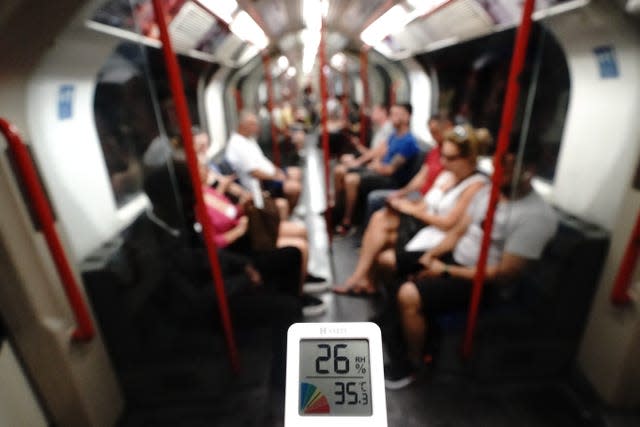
x=508, y=113
x=364, y=77
x=84, y=330
x=266, y=63
x=620, y=293
x=177, y=89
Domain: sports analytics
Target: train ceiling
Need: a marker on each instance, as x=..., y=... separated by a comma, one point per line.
x=232, y=32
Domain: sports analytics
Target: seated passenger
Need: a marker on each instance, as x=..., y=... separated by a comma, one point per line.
x=254, y=168
x=383, y=128
x=441, y=208
x=231, y=225
x=389, y=172
x=226, y=184
x=425, y=177
x=523, y=224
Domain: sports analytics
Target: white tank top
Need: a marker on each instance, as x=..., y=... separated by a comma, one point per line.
x=441, y=202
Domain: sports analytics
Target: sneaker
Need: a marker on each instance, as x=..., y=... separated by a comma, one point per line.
x=314, y=284
x=398, y=377
x=312, y=306
x=316, y=288
x=310, y=278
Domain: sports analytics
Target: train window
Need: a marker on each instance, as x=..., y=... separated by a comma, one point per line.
x=128, y=131
x=472, y=79
x=124, y=120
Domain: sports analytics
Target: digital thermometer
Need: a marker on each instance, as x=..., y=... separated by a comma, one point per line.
x=335, y=375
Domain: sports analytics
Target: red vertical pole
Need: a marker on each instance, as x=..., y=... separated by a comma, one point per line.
x=620, y=293
x=508, y=113
x=364, y=77
x=345, y=92
x=84, y=330
x=322, y=53
x=266, y=63
x=177, y=89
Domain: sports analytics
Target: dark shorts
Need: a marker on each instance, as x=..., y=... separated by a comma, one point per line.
x=441, y=295
x=359, y=170
x=275, y=188
x=444, y=295
x=370, y=181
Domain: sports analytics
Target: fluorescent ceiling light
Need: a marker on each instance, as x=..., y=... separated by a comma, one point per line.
x=395, y=19
x=311, y=43
x=223, y=9
x=247, y=29
x=338, y=61
x=312, y=14
x=308, y=60
x=283, y=62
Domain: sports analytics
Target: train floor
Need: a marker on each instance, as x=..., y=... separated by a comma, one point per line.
x=180, y=375
x=190, y=384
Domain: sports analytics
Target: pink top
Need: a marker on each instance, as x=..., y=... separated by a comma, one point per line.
x=221, y=221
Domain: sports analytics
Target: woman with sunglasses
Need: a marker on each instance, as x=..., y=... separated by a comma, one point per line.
x=438, y=211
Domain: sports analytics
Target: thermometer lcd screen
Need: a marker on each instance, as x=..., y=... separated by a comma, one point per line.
x=335, y=377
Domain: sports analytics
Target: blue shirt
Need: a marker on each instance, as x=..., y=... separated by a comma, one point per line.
x=405, y=146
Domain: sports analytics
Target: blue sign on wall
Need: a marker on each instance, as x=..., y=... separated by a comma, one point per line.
x=607, y=62
x=65, y=102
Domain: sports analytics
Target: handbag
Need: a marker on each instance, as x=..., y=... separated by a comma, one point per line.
x=264, y=224
x=409, y=227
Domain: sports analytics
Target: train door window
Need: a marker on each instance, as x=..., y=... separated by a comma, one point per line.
x=472, y=79
x=124, y=120
x=152, y=290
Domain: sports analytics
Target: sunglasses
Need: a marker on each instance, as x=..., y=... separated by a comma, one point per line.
x=450, y=158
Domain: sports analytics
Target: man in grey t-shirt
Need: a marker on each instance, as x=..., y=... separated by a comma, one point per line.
x=523, y=224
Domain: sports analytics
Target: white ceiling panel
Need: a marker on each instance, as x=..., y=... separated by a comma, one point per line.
x=189, y=26
x=462, y=19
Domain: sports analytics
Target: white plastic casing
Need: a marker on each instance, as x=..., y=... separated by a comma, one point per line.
x=332, y=331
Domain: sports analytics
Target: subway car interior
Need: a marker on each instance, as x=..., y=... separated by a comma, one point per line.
x=182, y=180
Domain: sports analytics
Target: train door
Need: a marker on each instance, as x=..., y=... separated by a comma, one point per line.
x=100, y=127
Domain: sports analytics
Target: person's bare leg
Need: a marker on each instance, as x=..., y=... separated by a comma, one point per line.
x=293, y=229
x=383, y=271
x=339, y=173
x=283, y=208
x=386, y=260
x=375, y=239
x=351, y=186
x=347, y=158
x=294, y=173
x=414, y=324
x=292, y=189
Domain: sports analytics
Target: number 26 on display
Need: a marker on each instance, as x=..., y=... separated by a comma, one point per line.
x=340, y=363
